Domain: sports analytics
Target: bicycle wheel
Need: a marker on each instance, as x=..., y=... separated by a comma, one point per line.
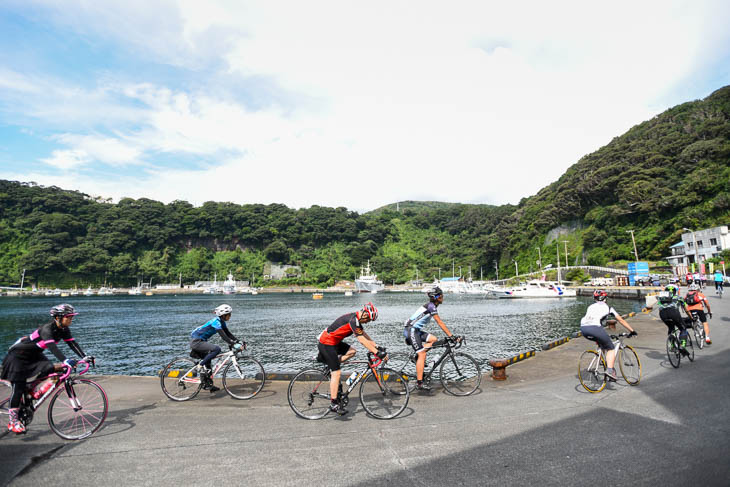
x=77, y=409
x=6, y=390
x=244, y=379
x=699, y=332
x=309, y=394
x=384, y=394
x=592, y=371
x=630, y=365
x=673, y=352
x=460, y=374
x=406, y=368
x=690, y=349
x=180, y=380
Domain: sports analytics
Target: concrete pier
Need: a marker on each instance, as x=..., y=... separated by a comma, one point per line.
x=538, y=427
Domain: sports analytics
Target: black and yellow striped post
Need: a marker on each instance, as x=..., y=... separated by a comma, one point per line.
x=499, y=366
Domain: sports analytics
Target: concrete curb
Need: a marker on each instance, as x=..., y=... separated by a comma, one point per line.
x=499, y=365
x=555, y=343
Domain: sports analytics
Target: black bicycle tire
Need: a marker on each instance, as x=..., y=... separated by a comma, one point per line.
x=699, y=332
x=625, y=349
x=398, y=387
x=584, y=373
x=672, y=340
x=6, y=390
x=690, y=349
x=323, y=381
x=164, y=373
x=450, y=360
x=62, y=390
x=260, y=382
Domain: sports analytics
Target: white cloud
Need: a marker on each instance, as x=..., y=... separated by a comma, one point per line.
x=67, y=159
x=368, y=103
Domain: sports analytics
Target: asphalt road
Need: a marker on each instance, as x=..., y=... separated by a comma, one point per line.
x=540, y=426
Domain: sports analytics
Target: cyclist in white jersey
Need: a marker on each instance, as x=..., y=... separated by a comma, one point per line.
x=591, y=326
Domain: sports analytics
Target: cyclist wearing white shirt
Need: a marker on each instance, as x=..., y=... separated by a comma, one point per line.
x=591, y=326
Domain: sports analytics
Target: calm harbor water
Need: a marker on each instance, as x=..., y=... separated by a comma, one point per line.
x=137, y=335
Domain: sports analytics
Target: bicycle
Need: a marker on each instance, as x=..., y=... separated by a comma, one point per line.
x=460, y=374
x=675, y=350
x=592, y=365
x=383, y=392
x=699, y=330
x=77, y=409
x=242, y=375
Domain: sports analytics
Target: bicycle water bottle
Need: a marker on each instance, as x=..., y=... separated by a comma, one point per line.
x=42, y=388
x=351, y=379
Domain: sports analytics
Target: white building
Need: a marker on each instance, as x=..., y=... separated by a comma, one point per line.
x=698, y=247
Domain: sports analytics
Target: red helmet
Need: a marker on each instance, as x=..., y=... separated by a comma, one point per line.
x=371, y=311
x=600, y=294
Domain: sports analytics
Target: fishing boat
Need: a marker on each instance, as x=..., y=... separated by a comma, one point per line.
x=368, y=282
x=535, y=289
x=229, y=285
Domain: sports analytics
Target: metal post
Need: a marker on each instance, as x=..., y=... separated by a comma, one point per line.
x=539, y=257
x=557, y=253
x=22, y=279
x=636, y=254
x=566, y=253
x=517, y=273
x=496, y=268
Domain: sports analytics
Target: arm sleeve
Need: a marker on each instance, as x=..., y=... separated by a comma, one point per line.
x=76, y=348
x=55, y=351
x=226, y=335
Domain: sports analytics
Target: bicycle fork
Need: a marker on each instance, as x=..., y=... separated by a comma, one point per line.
x=73, y=400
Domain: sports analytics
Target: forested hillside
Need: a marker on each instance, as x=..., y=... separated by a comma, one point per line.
x=664, y=174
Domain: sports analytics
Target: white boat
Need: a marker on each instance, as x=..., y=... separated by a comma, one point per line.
x=89, y=292
x=368, y=282
x=54, y=292
x=348, y=293
x=535, y=289
x=135, y=291
x=229, y=286
x=105, y=291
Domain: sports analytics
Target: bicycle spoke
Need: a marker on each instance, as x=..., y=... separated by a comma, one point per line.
x=460, y=374
x=180, y=380
x=244, y=378
x=79, y=415
x=308, y=394
x=384, y=393
x=592, y=371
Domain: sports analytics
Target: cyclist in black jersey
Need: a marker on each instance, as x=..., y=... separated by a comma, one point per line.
x=26, y=359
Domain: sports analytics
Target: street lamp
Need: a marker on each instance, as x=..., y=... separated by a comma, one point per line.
x=517, y=273
x=697, y=255
x=636, y=254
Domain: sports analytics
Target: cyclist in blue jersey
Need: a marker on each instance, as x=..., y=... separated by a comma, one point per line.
x=719, y=281
x=420, y=340
x=200, y=345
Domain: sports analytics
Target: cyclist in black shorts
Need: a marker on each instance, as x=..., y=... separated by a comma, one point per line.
x=333, y=351
x=670, y=303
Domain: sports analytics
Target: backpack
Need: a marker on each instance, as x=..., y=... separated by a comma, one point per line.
x=692, y=298
x=665, y=297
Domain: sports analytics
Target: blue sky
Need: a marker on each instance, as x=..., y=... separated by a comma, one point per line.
x=338, y=103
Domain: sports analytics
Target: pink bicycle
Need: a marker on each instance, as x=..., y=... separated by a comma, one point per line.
x=78, y=406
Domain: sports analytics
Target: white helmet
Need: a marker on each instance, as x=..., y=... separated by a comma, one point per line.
x=223, y=309
x=693, y=287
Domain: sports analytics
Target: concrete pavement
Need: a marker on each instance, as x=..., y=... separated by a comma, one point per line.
x=539, y=426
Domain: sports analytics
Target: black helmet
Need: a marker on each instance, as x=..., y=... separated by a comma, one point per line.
x=63, y=310
x=434, y=293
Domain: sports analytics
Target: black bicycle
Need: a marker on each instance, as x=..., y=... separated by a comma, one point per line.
x=675, y=349
x=699, y=330
x=383, y=392
x=458, y=372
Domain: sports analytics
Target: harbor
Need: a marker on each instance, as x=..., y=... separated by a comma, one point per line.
x=537, y=427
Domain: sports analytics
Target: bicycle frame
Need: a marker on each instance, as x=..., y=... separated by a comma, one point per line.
x=34, y=404
x=448, y=350
x=222, y=360
x=371, y=365
x=618, y=344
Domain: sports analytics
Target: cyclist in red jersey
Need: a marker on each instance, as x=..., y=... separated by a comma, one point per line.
x=333, y=351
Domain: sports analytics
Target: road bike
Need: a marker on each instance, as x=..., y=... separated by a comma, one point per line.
x=592, y=365
x=383, y=392
x=242, y=375
x=675, y=349
x=78, y=406
x=458, y=372
x=699, y=330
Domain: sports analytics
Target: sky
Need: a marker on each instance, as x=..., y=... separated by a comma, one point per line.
x=338, y=103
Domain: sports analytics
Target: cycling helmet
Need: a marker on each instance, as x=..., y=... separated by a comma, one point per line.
x=434, y=293
x=600, y=294
x=371, y=311
x=693, y=287
x=63, y=310
x=223, y=309
x=671, y=289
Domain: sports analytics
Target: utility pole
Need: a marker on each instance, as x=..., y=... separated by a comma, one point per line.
x=539, y=257
x=517, y=273
x=22, y=279
x=496, y=268
x=453, y=269
x=697, y=255
x=636, y=254
x=566, y=253
x=557, y=253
